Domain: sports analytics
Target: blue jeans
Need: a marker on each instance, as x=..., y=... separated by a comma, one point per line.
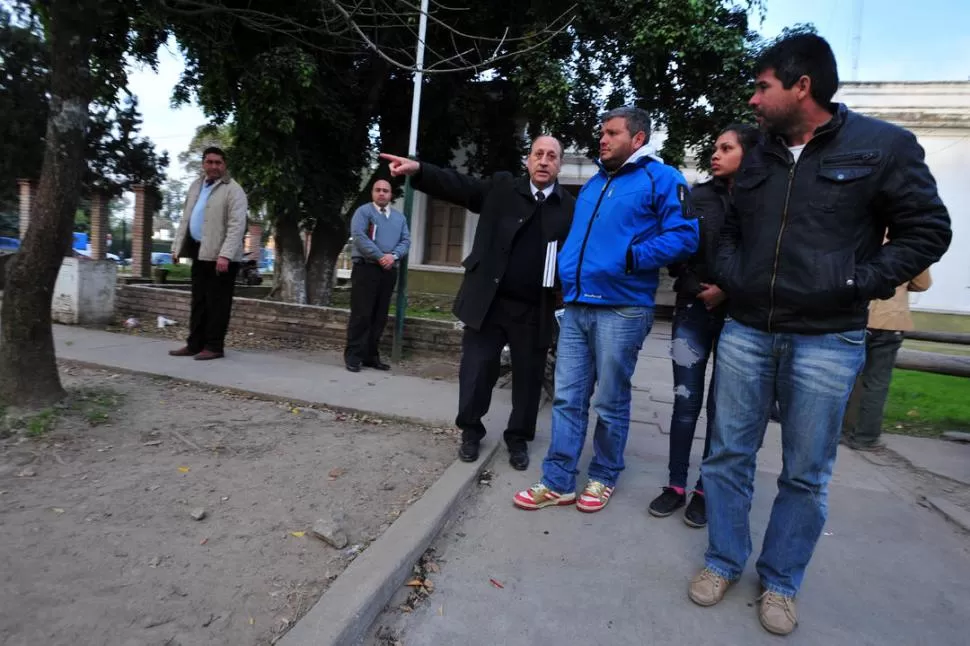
x=811, y=376
x=695, y=334
x=597, y=346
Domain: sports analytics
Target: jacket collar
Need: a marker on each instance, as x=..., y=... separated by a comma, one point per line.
x=641, y=157
x=524, y=186
x=777, y=144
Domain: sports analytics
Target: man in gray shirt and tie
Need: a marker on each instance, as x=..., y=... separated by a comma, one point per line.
x=380, y=239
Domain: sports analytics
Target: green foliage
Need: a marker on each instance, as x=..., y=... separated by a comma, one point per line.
x=117, y=157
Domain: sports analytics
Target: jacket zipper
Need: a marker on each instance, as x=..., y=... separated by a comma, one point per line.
x=589, y=227
x=781, y=232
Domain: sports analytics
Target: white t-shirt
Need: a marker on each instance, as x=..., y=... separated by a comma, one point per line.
x=796, y=151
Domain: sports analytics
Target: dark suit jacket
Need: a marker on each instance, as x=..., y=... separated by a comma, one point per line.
x=504, y=204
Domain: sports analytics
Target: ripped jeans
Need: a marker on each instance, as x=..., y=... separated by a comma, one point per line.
x=694, y=340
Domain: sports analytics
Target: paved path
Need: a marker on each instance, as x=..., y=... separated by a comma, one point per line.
x=886, y=571
x=383, y=393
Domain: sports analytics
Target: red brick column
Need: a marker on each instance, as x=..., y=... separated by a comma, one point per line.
x=254, y=240
x=99, y=226
x=141, y=232
x=27, y=189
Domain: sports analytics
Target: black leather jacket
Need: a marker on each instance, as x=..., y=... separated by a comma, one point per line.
x=710, y=202
x=801, y=248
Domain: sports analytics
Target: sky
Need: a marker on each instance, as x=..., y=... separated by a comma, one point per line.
x=898, y=40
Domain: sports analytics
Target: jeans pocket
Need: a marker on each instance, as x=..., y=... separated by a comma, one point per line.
x=632, y=312
x=852, y=337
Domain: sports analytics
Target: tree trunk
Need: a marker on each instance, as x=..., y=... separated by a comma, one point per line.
x=28, y=366
x=327, y=242
x=290, y=265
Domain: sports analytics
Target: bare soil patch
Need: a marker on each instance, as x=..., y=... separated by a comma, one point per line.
x=98, y=543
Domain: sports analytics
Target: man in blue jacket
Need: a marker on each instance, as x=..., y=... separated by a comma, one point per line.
x=631, y=219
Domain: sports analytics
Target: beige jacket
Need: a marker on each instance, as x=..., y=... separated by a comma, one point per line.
x=893, y=314
x=225, y=221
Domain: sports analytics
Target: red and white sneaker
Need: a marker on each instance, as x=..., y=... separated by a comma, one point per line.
x=539, y=496
x=594, y=496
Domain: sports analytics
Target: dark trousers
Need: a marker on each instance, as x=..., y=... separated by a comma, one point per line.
x=515, y=324
x=863, y=415
x=695, y=334
x=371, y=287
x=211, y=305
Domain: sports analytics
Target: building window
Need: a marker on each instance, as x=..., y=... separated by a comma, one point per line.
x=445, y=233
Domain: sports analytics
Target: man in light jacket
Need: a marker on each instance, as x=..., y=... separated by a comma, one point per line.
x=211, y=234
x=888, y=322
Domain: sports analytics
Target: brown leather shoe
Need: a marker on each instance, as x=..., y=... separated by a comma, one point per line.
x=208, y=355
x=184, y=351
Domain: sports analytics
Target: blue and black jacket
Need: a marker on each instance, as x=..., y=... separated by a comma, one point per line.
x=626, y=226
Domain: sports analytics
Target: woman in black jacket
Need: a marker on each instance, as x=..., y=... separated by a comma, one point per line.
x=698, y=319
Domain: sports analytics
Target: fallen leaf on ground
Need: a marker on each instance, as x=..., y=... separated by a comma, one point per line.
x=441, y=611
x=496, y=583
x=429, y=585
x=57, y=510
x=414, y=583
x=432, y=567
x=298, y=534
x=252, y=622
x=203, y=541
x=184, y=469
x=336, y=473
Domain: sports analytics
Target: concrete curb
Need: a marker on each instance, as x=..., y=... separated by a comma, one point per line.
x=346, y=611
x=263, y=396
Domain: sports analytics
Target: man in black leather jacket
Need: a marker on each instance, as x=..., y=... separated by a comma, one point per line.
x=800, y=256
x=509, y=291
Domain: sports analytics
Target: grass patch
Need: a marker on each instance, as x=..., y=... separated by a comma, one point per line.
x=178, y=272
x=42, y=423
x=927, y=404
x=96, y=406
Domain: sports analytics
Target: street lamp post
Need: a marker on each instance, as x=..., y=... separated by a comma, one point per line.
x=402, y=283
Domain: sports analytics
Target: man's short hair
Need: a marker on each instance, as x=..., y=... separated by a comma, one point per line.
x=214, y=150
x=637, y=119
x=803, y=55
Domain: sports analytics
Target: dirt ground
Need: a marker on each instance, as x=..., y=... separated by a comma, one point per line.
x=426, y=367
x=98, y=543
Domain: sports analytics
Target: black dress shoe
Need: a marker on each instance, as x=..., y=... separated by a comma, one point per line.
x=519, y=458
x=377, y=364
x=353, y=367
x=468, y=451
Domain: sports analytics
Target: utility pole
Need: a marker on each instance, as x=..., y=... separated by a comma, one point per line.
x=402, y=281
x=857, y=37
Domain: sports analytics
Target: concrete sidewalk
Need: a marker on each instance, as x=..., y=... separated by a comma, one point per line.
x=382, y=393
x=886, y=571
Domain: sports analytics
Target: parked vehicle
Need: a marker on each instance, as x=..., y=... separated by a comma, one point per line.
x=9, y=244
x=161, y=258
x=249, y=271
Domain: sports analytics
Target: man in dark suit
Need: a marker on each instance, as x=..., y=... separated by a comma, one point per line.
x=508, y=294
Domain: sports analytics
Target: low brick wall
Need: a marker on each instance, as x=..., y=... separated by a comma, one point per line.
x=283, y=320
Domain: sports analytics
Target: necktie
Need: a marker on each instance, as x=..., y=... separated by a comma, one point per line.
x=384, y=211
x=540, y=197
